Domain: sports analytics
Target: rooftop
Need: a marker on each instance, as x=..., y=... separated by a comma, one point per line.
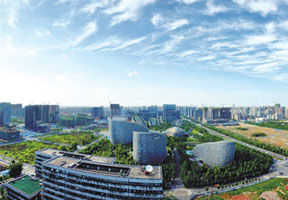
x=27, y=185
x=130, y=171
x=98, y=159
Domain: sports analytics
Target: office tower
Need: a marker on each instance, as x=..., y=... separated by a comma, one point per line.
x=115, y=109
x=30, y=117
x=50, y=113
x=153, y=109
x=54, y=113
x=5, y=114
x=286, y=112
x=37, y=114
x=169, y=107
x=97, y=112
x=170, y=113
x=16, y=110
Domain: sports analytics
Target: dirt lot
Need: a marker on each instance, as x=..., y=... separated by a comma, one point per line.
x=274, y=136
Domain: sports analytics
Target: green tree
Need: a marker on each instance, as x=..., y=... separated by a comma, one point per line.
x=15, y=169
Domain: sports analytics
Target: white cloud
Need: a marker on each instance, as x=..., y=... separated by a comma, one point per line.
x=187, y=53
x=61, y=24
x=42, y=33
x=92, y=7
x=129, y=43
x=263, y=7
x=111, y=42
x=157, y=19
x=280, y=77
x=132, y=74
x=270, y=27
x=260, y=39
x=206, y=58
x=267, y=67
x=188, y=1
x=171, y=44
x=213, y=9
x=176, y=24
x=87, y=31
x=127, y=10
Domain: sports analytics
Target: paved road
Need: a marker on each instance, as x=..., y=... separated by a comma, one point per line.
x=212, y=132
x=278, y=170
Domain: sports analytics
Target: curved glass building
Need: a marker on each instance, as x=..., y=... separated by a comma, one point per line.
x=149, y=148
x=215, y=153
x=121, y=132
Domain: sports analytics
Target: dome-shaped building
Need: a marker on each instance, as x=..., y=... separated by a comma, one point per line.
x=121, y=132
x=215, y=153
x=175, y=132
x=149, y=148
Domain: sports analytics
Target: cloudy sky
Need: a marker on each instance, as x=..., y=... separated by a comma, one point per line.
x=142, y=52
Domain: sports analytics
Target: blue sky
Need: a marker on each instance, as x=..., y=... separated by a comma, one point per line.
x=142, y=52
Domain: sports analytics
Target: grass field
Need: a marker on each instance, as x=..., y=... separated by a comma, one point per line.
x=275, y=189
x=69, y=138
x=24, y=151
x=273, y=136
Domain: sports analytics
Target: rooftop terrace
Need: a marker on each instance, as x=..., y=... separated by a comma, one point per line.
x=99, y=159
x=130, y=171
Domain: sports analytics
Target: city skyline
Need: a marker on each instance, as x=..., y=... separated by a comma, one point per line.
x=132, y=52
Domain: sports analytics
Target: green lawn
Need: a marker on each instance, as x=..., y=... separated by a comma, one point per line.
x=24, y=151
x=69, y=138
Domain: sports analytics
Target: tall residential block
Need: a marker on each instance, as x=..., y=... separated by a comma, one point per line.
x=5, y=114
x=97, y=112
x=115, y=110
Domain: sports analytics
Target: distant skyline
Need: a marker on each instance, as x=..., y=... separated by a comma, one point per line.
x=144, y=52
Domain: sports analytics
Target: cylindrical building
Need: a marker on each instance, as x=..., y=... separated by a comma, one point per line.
x=149, y=148
x=121, y=132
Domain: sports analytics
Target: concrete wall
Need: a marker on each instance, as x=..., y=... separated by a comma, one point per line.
x=215, y=153
x=149, y=148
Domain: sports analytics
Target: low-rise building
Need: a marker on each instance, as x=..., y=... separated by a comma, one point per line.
x=9, y=134
x=23, y=188
x=68, y=175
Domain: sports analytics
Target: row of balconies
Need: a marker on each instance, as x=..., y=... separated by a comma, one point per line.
x=106, y=190
x=84, y=181
x=147, y=186
x=91, y=191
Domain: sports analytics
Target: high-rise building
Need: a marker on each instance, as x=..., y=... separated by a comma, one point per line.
x=30, y=117
x=97, y=112
x=16, y=110
x=169, y=107
x=5, y=114
x=115, y=110
x=170, y=113
x=36, y=114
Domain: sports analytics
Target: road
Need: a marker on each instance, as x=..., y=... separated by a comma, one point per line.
x=212, y=132
x=278, y=170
